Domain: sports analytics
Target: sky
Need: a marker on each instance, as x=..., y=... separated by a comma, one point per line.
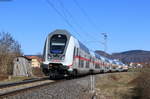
x=126, y=22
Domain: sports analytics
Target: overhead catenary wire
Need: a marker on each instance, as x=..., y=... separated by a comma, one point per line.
x=86, y=15
x=49, y=2
x=67, y=12
x=61, y=15
x=89, y=20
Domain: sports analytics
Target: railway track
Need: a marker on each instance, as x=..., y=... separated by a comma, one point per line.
x=45, y=88
x=17, y=87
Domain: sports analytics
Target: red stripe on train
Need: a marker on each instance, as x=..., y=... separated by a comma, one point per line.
x=85, y=59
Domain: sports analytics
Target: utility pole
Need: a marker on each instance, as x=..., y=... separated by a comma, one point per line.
x=92, y=83
x=105, y=41
x=92, y=86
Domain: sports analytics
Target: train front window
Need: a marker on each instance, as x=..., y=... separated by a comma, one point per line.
x=57, y=44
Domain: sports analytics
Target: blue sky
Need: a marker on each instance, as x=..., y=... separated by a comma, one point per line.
x=126, y=22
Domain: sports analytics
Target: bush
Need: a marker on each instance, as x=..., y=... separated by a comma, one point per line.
x=142, y=88
x=37, y=72
x=135, y=70
x=9, y=49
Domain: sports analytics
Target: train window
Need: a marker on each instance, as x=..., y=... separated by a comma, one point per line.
x=79, y=62
x=96, y=66
x=44, y=52
x=101, y=63
x=83, y=63
x=93, y=61
x=78, y=52
x=87, y=64
x=58, y=43
x=74, y=51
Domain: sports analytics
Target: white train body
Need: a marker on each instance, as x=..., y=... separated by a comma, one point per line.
x=65, y=55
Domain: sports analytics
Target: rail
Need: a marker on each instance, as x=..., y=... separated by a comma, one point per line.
x=15, y=87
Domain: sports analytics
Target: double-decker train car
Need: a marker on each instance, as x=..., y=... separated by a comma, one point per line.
x=66, y=56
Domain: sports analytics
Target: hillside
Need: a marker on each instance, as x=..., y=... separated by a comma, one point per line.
x=129, y=56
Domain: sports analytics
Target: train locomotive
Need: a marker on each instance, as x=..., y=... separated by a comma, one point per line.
x=64, y=55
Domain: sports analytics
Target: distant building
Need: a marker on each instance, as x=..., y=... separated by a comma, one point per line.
x=35, y=61
x=136, y=65
x=22, y=66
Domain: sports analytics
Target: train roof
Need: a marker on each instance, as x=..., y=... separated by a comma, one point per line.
x=110, y=61
x=118, y=62
x=61, y=31
x=102, y=58
x=92, y=53
x=97, y=56
x=83, y=47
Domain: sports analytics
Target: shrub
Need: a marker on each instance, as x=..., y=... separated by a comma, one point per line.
x=142, y=88
x=9, y=49
x=37, y=72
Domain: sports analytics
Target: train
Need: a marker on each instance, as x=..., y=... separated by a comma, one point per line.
x=64, y=55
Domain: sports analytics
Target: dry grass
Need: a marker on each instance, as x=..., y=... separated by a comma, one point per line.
x=37, y=72
x=3, y=77
x=6, y=78
x=142, y=89
x=115, y=85
x=14, y=79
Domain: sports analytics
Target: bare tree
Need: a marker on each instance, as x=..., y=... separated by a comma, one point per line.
x=9, y=49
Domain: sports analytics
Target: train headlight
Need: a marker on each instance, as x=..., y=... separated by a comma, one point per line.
x=49, y=57
x=70, y=69
x=63, y=57
x=50, y=65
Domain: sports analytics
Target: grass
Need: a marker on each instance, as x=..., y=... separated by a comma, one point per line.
x=142, y=83
x=139, y=70
x=37, y=72
x=5, y=78
x=115, y=85
x=14, y=79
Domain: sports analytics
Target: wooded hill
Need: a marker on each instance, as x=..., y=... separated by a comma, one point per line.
x=136, y=56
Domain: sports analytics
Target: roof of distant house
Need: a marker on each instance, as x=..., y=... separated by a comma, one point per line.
x=35, y=57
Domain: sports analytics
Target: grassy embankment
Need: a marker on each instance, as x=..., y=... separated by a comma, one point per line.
x=37, y=72
x=13, y=79
x=134, y=84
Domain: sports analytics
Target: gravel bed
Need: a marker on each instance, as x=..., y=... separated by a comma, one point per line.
x=69, y=89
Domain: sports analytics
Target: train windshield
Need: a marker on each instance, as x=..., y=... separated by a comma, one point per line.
x=58, y=43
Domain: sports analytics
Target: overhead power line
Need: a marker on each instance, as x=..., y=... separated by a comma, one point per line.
x=67, y=12
x=86, y=15
x=64, y=17
x=61, y=15
x=64, y=9
x=92, y=23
